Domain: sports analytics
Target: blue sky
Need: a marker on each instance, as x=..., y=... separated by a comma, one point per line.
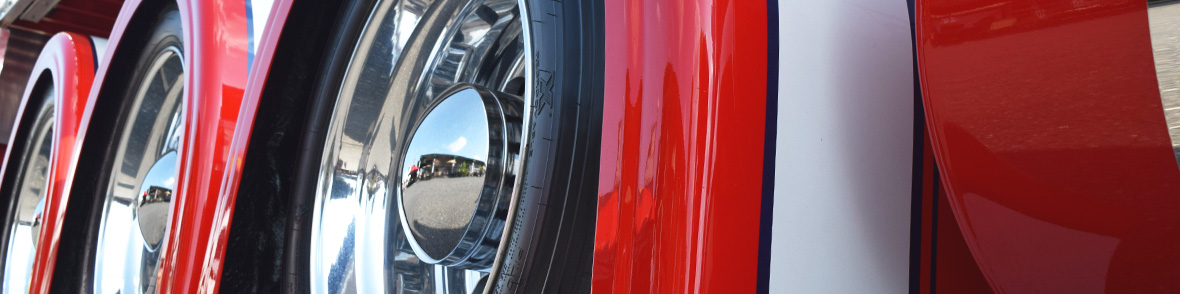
x=458, y=126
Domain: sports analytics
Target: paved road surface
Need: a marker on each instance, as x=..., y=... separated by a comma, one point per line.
x=444, y=208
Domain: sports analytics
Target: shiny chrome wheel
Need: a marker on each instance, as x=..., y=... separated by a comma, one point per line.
x=33, y=185
x=418, y=172
x=135, y=216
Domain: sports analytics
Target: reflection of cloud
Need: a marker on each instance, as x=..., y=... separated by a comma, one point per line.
x=457, y=145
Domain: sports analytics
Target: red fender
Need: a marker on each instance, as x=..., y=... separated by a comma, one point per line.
x=215, y=34
x=237, y=148
x=69, y=60
x=1047, y=126
x=683, y=133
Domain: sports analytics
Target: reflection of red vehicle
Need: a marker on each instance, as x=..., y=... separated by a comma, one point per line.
x=626, y=146
x=959, y=21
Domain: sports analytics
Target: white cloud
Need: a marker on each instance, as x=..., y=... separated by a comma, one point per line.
x=457, y=145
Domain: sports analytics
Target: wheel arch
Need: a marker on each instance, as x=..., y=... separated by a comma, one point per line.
x=214, y=38
x=94, y=119
x=66, y=65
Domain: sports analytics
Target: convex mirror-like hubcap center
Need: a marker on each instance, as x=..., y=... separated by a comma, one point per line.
x=458, y=175
x=154, y=199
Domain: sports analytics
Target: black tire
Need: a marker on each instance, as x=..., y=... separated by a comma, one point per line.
x=551, y=243
x=260, y=257
x=550, y=250
x=161, y=29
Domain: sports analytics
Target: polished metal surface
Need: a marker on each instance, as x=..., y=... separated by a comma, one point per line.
x=155, y=199
x=1164, y=18
x=137, y=207
x=410, y=55
x=456, y=184
x=33, y=179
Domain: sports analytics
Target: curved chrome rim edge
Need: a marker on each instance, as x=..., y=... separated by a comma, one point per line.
x=146, y=159
x=352, y=250
x=526, y=36
x=34, y=178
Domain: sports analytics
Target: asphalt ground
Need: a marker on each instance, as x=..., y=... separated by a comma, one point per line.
x=442, y=208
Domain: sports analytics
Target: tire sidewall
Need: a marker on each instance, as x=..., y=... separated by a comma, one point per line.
x=75, y=265
x=550, y=240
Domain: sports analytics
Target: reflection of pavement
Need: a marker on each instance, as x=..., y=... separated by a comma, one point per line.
x=1165, y=38
x=153, y=219
x=438, y=201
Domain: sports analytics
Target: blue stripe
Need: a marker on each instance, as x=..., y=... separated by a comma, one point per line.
x=249, y=37
x=93, y=53
x=769, y=148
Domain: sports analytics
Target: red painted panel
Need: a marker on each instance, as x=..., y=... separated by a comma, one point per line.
x=683, y=132
x=219, y=234
x=216, y=48
x=955, y=270
x=1049, y=130
x=69, y=59
x=926, y=241
x=945, y=264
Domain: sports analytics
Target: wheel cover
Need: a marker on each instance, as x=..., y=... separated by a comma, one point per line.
x=23, y=234
x=137, y=207
x=358, y=241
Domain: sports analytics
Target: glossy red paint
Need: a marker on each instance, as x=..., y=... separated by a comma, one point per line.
x=955, y=270
x=216, y=48
x=682, y=147
x=1047, y=124
x=945, y=265
x=926, y=240
x=69, y=60
x=42, y=275
x=215, y=253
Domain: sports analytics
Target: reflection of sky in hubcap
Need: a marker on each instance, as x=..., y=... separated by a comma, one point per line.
x=443, y=172
x=457, y=126
x=409, y=54
x=155, y=197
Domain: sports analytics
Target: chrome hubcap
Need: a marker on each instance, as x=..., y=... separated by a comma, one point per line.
x=457, y=178
x=136, y=212
x=33, y=181
x=155, y=198
x=418, y=170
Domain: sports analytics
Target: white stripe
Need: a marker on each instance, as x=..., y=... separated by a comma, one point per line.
x=844, y=148
x=100, y=48
x=259, y=13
